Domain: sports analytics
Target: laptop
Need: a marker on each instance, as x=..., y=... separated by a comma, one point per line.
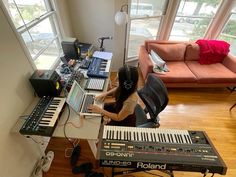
x=79, y=100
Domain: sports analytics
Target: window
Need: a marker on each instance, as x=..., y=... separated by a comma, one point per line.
x=229, y=32
x=35, y=21
x=190, y=22
x=145, y=16
x=193, y=18
x=138, y=9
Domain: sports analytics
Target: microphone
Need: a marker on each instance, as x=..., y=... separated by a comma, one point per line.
x=101, y=39
x=108, y=37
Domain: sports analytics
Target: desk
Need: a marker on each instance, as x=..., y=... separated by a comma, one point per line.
x=89, y=130
x=81, y=127
x=84, y=128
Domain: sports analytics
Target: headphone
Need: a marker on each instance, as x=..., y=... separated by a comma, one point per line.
x=128, y=83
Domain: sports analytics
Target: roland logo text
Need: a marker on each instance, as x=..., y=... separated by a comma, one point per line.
x=151, y=166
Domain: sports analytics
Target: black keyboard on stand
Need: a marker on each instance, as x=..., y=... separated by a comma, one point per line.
x=43, y=119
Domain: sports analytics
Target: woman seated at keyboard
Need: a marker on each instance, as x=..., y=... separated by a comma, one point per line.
x=120, y=112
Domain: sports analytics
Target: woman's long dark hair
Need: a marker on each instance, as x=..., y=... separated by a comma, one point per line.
x=128, y=79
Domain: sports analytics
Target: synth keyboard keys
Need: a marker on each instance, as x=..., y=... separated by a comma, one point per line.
x=160, y=149
x=53, y=115
x=147, y=135
x=99, y=68
x=43, y=118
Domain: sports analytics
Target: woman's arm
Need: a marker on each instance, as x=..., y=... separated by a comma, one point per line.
x=127, y=109
x=111, y=92
x=116, y=117
x=103, y=95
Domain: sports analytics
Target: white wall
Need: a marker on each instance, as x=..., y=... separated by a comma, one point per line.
x=64, y=18
x=93, y=19
x=17, y=154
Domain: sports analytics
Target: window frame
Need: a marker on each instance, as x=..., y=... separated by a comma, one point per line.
x=211, y=19
x=228, y=19
x=51, y=15
x=212, y=32
x=161, y=17
x=224, y=34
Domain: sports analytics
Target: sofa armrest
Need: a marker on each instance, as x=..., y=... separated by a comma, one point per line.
x=230, y=62
x=145, y=64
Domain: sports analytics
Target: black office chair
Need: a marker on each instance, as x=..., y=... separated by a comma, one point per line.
x=155, y=97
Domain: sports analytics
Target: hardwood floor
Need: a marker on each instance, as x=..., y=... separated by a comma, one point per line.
x=205, y=109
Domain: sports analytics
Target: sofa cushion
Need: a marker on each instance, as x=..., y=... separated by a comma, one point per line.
x=178, y=73
x=214, y=73
x=169, y=52
x=192, y=52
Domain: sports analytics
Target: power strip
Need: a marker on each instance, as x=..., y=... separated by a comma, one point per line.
x=43, y=164
x=47, y=161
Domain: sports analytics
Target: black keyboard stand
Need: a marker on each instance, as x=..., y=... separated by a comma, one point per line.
x=128, y=171
x=31, y=126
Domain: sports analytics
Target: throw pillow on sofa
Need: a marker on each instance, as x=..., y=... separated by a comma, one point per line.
x=192, y=52
x=159, y=65
x=169, y=52
x=212, y=51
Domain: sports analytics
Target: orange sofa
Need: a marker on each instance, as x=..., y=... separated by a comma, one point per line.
x=184, y=68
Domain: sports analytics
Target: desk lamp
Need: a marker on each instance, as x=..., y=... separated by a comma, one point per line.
x=121, y=18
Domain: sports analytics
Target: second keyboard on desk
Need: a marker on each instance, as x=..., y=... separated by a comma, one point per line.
x=99, y=68
x=43, y=119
